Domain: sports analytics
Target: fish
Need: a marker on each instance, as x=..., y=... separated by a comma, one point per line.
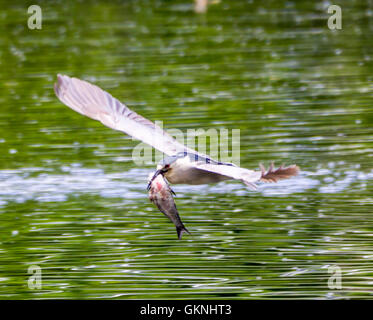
x=161, y=194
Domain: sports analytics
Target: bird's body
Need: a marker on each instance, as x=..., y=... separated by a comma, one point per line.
x=182, y=170
x=182, y=164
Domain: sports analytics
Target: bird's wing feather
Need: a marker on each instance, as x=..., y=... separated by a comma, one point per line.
x=249, y=177
x=93, y=102
x=273, y=175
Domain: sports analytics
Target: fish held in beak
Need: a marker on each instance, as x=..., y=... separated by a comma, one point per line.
x=160, y=194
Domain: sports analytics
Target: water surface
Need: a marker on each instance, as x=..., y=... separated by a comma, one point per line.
x=73, y=202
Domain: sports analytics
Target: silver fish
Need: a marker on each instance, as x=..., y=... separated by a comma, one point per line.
x=160, y=194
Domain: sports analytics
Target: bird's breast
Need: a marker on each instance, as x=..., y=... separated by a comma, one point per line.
x=183, y=172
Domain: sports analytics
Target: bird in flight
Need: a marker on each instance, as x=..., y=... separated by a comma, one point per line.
x=181, y=165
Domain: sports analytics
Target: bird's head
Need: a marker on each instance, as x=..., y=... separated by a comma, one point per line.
x=167, y=163
x=163, y=168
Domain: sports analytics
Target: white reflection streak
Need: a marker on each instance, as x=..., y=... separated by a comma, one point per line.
x=20, y=185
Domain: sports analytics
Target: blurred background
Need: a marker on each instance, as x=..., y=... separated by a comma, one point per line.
x=73, y=203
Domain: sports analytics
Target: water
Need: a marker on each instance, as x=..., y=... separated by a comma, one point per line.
x=73, y=202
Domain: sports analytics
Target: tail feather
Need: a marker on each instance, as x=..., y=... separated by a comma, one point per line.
x=273, y=175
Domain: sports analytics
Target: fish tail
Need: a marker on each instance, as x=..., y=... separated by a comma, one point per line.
x=180, y=230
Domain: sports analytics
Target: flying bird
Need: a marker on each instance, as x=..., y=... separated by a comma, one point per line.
x=181, y=165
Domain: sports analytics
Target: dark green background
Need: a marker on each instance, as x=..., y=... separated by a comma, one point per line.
x=73, y=202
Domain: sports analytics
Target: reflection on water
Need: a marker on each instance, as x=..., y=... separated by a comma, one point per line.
x=73, y=202
x=19, y=186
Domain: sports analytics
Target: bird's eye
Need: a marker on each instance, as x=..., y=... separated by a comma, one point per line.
x=166, y=168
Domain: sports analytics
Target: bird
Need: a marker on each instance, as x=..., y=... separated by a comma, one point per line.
x=181, y=164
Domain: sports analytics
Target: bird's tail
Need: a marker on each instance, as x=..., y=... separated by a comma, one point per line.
x=273, y=175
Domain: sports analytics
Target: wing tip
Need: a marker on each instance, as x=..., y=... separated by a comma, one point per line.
x=282, y=172
x=251, y=185
x=60, y=84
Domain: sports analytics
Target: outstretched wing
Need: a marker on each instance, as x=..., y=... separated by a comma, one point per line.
x=249, y=177
x=93, y=102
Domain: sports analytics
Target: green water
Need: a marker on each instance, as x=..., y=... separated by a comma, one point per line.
x=73, y=202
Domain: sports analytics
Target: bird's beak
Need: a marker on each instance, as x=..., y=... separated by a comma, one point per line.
x=160, y=171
